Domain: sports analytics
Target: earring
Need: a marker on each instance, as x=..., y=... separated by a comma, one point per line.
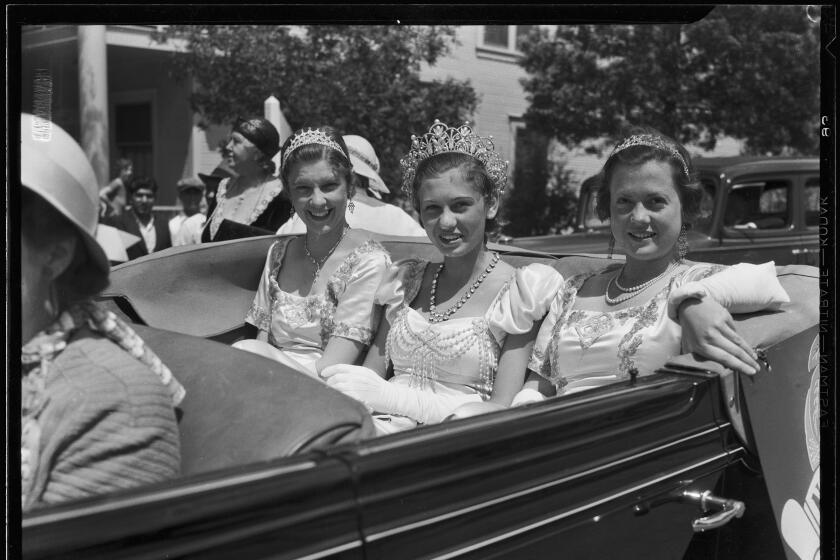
x=52, y=304
x=682, y=243
x=351, y=206
x=611, y=246
x=292, y=212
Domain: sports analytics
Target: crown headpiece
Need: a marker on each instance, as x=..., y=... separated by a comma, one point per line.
x=652, y=141
x=443, y=139
x=307, y=136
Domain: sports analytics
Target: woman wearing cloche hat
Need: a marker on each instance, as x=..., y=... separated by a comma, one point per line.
x=97, y=405
x=369, y=211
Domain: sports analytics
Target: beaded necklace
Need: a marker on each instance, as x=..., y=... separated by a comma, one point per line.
x=627, y=293
x=315, y=261
x=434, y=316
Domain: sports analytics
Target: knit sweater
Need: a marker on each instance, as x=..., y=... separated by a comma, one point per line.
x=108, y=424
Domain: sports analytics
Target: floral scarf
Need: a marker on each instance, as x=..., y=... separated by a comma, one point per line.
x=44, y=348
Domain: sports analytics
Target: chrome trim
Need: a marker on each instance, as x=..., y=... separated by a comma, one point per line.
x=155, y=496
x=457, y=513
x=333, y=550
x=590, y=505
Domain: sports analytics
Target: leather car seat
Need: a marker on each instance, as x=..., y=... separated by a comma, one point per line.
x=241, y=408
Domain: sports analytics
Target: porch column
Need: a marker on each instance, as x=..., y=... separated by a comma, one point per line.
x=93, y=98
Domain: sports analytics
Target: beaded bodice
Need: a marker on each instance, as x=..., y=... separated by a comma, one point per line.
x=461, y=351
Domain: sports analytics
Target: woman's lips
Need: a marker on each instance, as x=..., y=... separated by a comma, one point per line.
x=449, y=238
x=641, y=235
x=319, y=214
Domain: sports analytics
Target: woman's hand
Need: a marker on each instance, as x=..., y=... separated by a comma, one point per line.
x=358, y=382
x=708, y=330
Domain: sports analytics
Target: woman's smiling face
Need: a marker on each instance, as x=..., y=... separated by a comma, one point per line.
x=319, y=196
x=453, y=212
x=645, y=211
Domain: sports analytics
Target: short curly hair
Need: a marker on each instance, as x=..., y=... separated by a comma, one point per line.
x=688, y=187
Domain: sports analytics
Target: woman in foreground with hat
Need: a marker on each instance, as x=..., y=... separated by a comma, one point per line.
x=97, y=405
x=369, y=212
x=251, y=203
x=315, y=304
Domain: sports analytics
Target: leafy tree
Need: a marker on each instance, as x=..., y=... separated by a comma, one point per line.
x=361, y=79
x=542, y=200
x=751, y=72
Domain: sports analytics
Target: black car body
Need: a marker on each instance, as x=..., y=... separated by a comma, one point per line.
x=757, y=209
x=632, y=470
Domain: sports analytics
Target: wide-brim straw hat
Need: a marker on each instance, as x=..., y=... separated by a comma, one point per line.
x=365, y=162
x=54, y=166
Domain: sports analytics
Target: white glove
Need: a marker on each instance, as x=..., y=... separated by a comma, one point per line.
x=742, y=288
x=526, y=396
x=364, y=385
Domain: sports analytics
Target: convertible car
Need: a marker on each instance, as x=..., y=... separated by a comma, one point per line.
x=690, y=461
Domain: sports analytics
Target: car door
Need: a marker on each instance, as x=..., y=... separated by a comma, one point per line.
x=759, y=220
x=812, y=220
x=592, y=475
x=302, y=507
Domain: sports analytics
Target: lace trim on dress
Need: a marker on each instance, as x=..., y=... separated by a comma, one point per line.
x=644, y=315
x=265, y=196
x=302, y=310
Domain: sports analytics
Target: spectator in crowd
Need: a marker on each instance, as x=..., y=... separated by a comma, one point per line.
x=113, y=195
x=211, y=184
x=253, y=202
x=185, y=228
x=97, y=405
x=139, y=220
x=369, y=211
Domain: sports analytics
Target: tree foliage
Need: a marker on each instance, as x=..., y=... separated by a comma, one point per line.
x=751, y=72
x=360, y=79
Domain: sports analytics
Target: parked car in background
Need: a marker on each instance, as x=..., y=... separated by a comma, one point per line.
x=276, y=464
x=756, y=209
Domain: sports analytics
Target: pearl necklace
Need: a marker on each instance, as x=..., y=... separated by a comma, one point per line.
x=434, y=316
x=315, y=262
x=627, y=293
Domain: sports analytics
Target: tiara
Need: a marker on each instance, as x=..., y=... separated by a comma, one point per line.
x=443, y=139
x=311, y=136
x=652, y=141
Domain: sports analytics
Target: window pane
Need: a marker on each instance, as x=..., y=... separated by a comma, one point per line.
x=758, y=205
x=522, y=31
x=707, y=206
x=496, y=35
x=812, y=202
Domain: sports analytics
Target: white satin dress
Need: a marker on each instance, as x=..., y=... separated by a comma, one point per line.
x=456, y=359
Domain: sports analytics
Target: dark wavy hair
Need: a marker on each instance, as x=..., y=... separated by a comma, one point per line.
x=141, y=182
x=264, y=136
x=473, y=172
x=43, y=225
x=688, y=187
x=311, y=153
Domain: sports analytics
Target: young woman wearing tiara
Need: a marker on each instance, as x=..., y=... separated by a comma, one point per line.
x=450, y=327
x=315, y=302
x=608, y=326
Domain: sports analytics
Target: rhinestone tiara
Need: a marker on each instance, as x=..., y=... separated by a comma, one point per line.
x=652, y=141
x=307, y=136
x=443, y=139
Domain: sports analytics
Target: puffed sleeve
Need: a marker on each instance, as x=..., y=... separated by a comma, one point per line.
x=259, y=314
x=524, y=300
x=742, y=288
x=356, y=313
x=539, y=360
x=400, y=285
